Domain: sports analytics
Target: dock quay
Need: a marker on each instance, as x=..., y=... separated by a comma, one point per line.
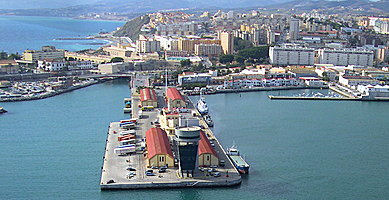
x=312, y=98
x=256, y=89
x=344, y=93
x=115, y=173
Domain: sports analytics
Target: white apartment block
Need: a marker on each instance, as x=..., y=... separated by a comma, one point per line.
x=382, y=26
x=47, y=65
x=291, y=55
x=345, y=57
x=148, y=46
x=167, y=43
x=54, y=65
x=186, y=28
x=351, y=81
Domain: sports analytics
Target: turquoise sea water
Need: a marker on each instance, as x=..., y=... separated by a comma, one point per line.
x=53, y=148
x=19, y=32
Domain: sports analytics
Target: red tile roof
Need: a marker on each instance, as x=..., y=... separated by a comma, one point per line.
x=205, y=145
x=157, y=143
x=148, y=94
x=174, y=94
x=7, y=62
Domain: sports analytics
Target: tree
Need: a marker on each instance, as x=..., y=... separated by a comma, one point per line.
x=185, y=63
x=116, y=60
x=259, y=54
x=239, y=59
x=240, y=44
x=226, y=58
x=198, y=67
x=13, y=56
x=325, y=76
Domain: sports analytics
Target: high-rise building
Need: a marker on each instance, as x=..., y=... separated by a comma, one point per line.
x=293, y=55
x=344, y=57
x=227, y=42
x=294, y=29
x=147, y=46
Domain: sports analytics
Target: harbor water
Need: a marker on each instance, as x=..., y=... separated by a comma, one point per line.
x=53, y=148
x=22, y=32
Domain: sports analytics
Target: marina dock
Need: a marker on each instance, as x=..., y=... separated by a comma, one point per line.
x=114, y=173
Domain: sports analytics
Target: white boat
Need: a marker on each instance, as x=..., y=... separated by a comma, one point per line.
x=202, y=106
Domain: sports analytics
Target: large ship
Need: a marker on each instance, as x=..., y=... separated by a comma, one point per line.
x=202, y=106
x=239, y=163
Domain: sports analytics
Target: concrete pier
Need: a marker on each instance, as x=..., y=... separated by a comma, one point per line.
x=114, y=170
x=311, y=98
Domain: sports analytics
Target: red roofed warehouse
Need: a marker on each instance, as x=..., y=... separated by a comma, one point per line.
x=159, y=152
x=207, y=155
x=148, y=97
x=175, y=99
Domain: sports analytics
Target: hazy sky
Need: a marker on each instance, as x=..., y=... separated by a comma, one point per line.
x=15, y=4
x=21, y=4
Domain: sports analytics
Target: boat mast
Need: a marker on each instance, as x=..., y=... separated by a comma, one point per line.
x=168, y=103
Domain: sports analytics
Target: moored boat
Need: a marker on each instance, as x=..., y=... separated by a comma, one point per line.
x=208, y=120
x=202, y=106
x=239, y=163
x=2, y=110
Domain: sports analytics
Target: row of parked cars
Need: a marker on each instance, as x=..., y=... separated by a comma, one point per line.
x=150, y=172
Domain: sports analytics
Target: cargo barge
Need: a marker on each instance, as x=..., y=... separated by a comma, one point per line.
x=239, y=163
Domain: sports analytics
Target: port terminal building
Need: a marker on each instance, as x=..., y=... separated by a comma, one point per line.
x=206, y=153
x=174, y=98
x=148, y=97
x=159, y=152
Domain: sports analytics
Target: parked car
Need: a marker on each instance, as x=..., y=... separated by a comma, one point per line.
x=212, y=170
x=150, y=174
x=216, y=174
x=131, y=169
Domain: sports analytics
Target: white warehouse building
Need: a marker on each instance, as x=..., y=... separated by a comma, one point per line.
x=345, y=57
x=291, y=55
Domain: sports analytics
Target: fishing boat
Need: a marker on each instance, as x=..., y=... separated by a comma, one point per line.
x=239, y=163
x=2, y=110
x=202, y=106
